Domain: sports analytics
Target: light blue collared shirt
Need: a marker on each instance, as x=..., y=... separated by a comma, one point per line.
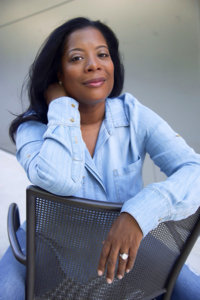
x=56, y=158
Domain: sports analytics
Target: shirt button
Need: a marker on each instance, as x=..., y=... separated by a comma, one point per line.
x=73, y=105
x=72, y=120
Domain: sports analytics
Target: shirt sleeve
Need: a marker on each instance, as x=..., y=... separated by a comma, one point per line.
x=53, y=154
x=178, y=196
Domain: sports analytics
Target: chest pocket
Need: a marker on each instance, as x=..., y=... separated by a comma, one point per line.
x=128, y=180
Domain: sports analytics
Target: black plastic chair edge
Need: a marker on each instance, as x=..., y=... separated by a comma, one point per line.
x=181, y=260
x=13, y=223
x=38, y=192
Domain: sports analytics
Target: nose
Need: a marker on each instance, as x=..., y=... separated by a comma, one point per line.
x=92, y=64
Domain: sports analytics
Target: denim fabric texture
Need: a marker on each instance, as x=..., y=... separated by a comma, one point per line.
x=56, y=158
x=13, y=273
x=187, y=286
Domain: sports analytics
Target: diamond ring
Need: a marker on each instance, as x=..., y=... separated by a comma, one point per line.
x=124, y=256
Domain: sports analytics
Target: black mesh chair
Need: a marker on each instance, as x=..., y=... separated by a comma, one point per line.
x=64, y=241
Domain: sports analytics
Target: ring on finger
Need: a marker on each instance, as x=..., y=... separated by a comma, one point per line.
x=123, y=256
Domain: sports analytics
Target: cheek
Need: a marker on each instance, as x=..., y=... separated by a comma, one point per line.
x=112, y=71
x=112, y=74
x=70, y=80
x=69, y=74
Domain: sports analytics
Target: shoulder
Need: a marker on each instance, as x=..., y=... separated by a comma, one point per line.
x=129, y=104
x=136, y=113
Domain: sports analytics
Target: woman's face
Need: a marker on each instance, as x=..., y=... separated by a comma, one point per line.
x=87, y=68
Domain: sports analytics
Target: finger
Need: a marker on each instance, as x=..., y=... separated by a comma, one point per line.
x=131, y=259
x=122, y=265
x=111, y=264
x=103, y=258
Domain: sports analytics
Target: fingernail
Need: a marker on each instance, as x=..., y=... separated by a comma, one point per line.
x=109, y=281
x=127, y=271
x=100, y=273
x=119, y=276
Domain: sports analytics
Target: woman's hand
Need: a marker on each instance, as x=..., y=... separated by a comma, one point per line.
x=54, y=91
x=124, y=237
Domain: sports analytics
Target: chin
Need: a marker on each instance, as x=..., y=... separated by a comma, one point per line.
x=93, y=98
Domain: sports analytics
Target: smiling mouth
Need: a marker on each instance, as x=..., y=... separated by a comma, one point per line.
x=95, y=82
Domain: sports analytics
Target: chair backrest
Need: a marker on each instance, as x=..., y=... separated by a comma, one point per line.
x=64, y=241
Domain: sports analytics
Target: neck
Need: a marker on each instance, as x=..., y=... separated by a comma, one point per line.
x=92, y=114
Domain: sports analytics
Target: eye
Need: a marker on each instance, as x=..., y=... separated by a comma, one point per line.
x=76, y=58
x=103, y=55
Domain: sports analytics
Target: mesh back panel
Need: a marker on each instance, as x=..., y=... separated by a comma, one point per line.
x=68, y=245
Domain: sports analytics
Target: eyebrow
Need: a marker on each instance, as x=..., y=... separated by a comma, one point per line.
x=82, y=50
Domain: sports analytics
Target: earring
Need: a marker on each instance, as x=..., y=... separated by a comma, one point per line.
x=60, y=82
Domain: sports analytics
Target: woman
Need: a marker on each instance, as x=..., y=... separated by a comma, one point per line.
x=72, y=139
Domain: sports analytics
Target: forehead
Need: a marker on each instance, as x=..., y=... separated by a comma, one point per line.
x=87, y=36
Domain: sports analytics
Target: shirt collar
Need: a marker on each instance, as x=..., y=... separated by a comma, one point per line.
x=115, y=115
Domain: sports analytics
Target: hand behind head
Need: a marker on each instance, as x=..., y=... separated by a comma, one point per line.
x=54, y=91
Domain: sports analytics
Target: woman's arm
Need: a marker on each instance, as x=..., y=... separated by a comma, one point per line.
x=175, y=198
x=53, y=154
x=178, y=196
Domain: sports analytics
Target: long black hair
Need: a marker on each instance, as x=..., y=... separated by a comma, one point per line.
x=47, y=64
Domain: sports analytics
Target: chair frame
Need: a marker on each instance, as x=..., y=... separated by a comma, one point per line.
x=13, y=223
x=32, y=193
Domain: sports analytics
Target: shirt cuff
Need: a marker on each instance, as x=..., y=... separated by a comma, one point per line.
x=149, y=207
x=64, y=111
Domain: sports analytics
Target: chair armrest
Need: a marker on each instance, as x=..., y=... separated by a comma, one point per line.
x=13, y=223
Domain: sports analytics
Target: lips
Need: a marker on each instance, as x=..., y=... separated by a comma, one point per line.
x=95, y=82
